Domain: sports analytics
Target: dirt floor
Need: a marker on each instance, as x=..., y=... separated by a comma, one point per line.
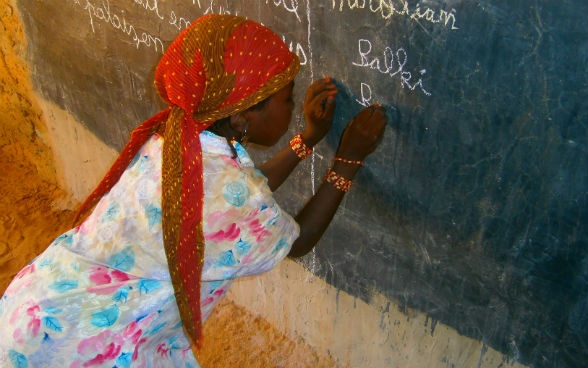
x=34, y=210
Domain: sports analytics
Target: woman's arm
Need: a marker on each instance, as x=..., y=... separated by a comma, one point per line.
x=318, y=109
x=361, y=137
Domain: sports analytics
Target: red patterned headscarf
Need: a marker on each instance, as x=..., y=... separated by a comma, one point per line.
x=219, y=66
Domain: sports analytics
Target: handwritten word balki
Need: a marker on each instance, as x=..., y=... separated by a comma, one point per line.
x=391, y=63
x=118, y=21
x=388, y=8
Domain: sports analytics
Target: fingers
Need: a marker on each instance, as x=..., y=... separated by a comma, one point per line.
x=370, y=123
x=320, y=90
x=320, y=99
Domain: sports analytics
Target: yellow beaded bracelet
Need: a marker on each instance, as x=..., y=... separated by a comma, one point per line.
x=300, y=149
x=354, y=162
x=338, y=181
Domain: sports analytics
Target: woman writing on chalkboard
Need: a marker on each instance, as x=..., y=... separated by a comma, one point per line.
x=183, y=211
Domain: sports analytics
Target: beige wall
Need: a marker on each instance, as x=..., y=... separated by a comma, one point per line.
x=81, y=159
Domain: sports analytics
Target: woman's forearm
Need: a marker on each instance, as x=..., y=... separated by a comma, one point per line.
x=278, y=168
x=360, y=138
x=317, y=214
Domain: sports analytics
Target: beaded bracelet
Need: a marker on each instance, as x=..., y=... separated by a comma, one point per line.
x=338, y=181
x=300, y=149
x=355, y=162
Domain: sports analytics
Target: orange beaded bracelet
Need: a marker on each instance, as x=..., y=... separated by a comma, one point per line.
x=300, y=149
x=355, y=162
x=338, y=181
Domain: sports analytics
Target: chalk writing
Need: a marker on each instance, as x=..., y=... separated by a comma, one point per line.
x=290, y=6
x=297, y=49
x=218, y=10
x=180, y=23
x=391, y=63
x=366, y=95
x=118, y=21
x=153, y=7
x=388, y=8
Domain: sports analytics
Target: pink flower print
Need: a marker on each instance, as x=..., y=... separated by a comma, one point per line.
x=18, y=336
x=246, y=259
x=25, y=271
x=163, y=350
x=120, y=276
x=136, y=352
x=230, y=233
x=110, y=353
x=207, y=301
x=220, y=218
x=34, y=325
x=29, y=305
x=94, y=343
x=14, y=287
x=35, y=322
x=230, y=161
x=132, y=332
x=255, y=227
x=219, y=292
x=258, y=230
x=100, y=275
x=104, y=290
x=106, y=344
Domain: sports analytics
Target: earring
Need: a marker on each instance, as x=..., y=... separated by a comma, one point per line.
x=244, y=137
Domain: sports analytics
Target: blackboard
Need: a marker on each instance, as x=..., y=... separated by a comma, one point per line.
x=473, y=210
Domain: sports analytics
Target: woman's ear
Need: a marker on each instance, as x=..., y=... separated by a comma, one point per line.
x=239, y=122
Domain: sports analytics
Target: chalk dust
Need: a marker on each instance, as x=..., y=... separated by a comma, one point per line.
x=34, y=210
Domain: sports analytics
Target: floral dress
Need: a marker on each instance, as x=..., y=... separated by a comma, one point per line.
x=101, y=295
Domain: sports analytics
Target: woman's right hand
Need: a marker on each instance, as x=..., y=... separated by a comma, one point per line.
x=363, y=134
x=318, y=108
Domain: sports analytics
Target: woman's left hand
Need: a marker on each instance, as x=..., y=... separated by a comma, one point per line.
x=318, y=109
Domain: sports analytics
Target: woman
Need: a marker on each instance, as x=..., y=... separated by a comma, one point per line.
x=183, y=211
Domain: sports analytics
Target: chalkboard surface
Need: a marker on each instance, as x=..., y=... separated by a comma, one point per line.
x=473, y=210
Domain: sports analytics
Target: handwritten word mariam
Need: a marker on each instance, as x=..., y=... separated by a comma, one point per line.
x=118, y=21
x=388, y=8
x=391, y=63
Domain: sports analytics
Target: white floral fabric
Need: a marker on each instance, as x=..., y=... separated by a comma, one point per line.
x=101, y=295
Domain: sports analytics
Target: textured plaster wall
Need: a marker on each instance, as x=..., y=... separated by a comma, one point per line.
x=284, y=318
x=356, y=333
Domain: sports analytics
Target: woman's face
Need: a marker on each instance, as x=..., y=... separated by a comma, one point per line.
x=268, y=124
